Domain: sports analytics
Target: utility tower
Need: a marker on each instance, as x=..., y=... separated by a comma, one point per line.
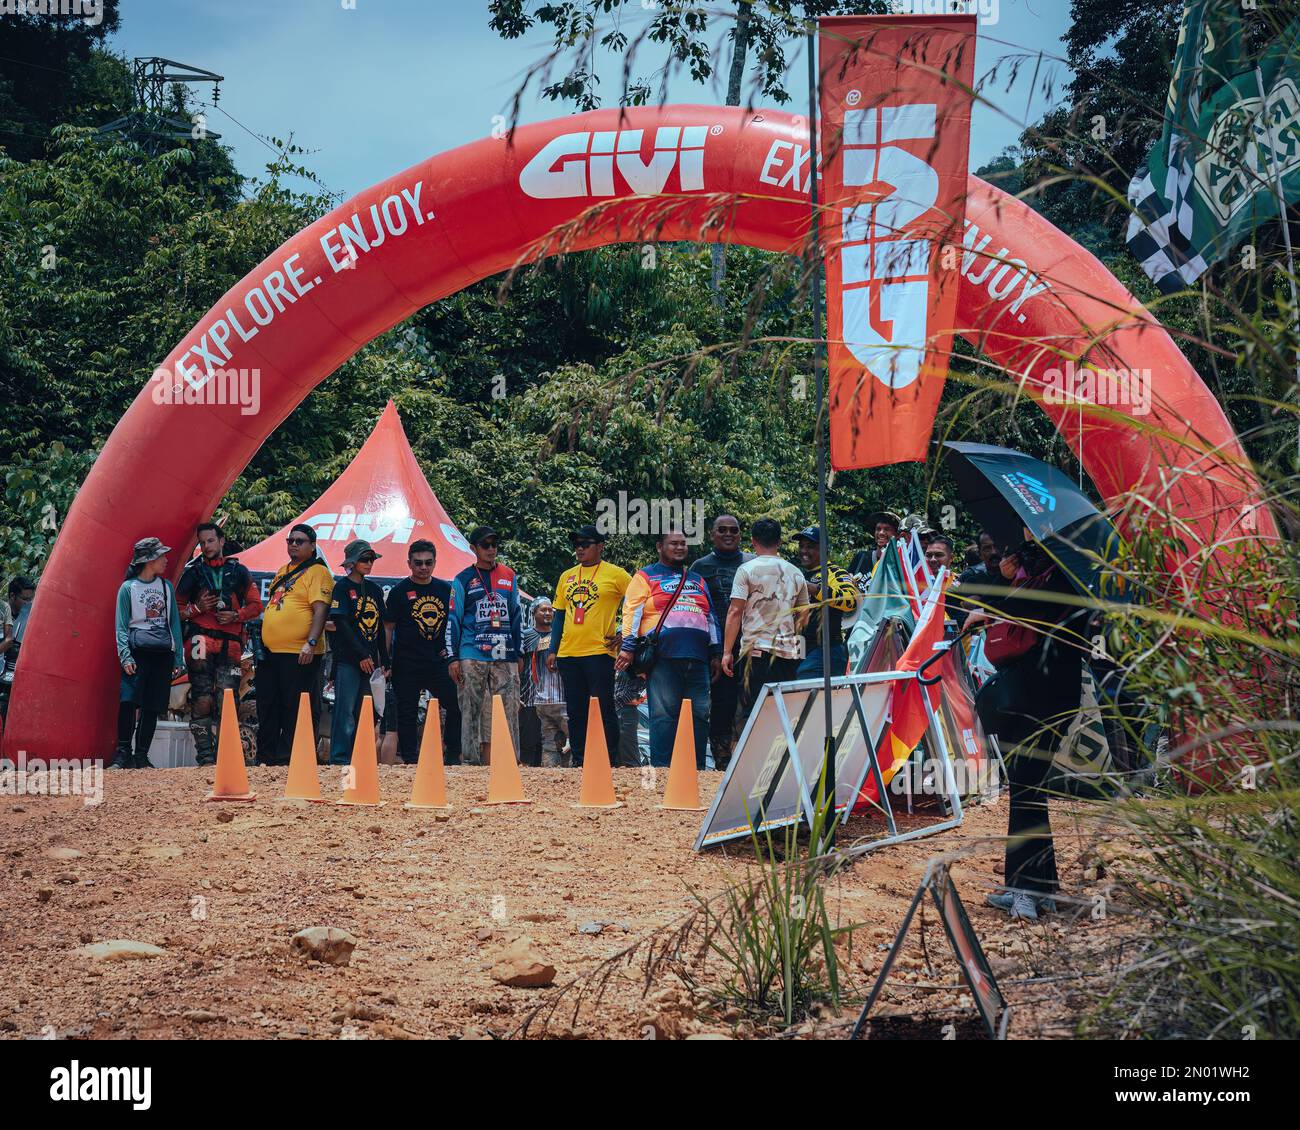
x=150, y=122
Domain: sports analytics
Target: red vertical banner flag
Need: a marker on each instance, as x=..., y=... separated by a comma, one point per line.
x=894, y=129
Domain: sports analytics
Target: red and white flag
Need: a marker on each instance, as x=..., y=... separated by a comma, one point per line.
x=895, y=137
x=916, y=569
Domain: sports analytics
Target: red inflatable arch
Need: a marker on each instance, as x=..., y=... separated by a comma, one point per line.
x=1030, y=296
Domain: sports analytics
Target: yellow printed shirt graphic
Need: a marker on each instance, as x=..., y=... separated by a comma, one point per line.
x=286, y=620
x=590, y=597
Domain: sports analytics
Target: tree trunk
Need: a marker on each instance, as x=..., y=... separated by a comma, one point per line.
x=736, y=80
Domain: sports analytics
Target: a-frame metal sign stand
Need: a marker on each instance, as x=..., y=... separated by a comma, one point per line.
x=779, y=792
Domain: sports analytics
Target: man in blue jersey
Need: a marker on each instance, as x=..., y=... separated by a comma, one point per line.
x=670, y=601
x=483, y=644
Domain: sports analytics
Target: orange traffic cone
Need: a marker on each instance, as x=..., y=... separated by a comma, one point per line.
x=231, y=782
x=430, y=788
x=303, y=782
x=597, y=779
x=363, y=773
x=683, y=791
x=504, y=785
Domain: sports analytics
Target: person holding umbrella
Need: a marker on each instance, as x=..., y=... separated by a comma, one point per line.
x=1037, y=644
x=1036, y=639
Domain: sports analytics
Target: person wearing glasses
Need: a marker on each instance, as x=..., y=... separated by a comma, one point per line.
x=670, y=601
x=718, y=570
x=360, y=645
x=483, y=644
x=293, y=642
x=415, y=617
x=585, y=638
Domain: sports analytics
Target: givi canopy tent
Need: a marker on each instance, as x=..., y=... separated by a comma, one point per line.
x=383, y=497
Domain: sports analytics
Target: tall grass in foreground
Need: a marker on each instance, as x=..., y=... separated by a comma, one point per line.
x=1207, y=859
x=771, y=932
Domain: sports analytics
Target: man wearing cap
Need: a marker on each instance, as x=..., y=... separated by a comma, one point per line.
x=585, y=638
x=293, y=642
x=360, y=645
x=841, y=599
x=884, y=525
x=483, y=645
x=718, y=570
x=670, y=602
x=415, y=617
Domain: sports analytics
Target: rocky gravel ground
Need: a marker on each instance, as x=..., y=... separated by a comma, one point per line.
x=154, y=914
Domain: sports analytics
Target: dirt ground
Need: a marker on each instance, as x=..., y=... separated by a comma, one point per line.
x=223, y=887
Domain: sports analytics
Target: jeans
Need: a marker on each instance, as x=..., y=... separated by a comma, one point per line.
x=810, y=667
x=586, y=677
x=671, y=681
x=409, y=679
x=351, y=685
x=553, y=723
x=281, y=679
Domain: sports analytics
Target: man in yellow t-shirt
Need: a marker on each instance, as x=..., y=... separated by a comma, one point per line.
x=585, y=637
x=293, y=641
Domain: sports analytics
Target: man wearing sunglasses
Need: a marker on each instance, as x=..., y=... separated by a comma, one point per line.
x=293, y=642
x=415, y=617
x=718, y=570
x=585, y=638
x=483, y=644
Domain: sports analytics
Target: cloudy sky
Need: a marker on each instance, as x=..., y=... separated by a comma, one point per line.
x=370, y=87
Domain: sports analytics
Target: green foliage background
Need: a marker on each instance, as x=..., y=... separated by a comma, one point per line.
x=617, y=377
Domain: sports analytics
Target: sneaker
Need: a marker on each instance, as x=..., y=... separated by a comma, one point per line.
x=121, y=758
x=1024, y=906
x=1001, y=901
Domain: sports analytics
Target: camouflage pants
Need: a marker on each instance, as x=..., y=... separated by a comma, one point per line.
x=554, y=723
x=480, y=680
x=209, y=679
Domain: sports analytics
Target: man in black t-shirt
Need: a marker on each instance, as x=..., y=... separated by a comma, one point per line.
x=360, y=646
x=718, y=570
x=415, y=618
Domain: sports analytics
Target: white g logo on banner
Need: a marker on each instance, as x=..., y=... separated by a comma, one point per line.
x=885, y=321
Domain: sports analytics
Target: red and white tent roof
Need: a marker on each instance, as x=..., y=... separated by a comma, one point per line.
x=383, y=497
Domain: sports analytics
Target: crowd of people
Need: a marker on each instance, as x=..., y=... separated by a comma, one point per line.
x=712, y=632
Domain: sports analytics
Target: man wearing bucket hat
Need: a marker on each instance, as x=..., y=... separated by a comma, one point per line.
x=148, y=632
x=360, y=645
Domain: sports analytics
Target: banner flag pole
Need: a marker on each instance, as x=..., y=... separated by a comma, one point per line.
x=819, y=369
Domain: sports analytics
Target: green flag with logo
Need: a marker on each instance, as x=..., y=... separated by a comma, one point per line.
x=1225, y=152
x=886, y=594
